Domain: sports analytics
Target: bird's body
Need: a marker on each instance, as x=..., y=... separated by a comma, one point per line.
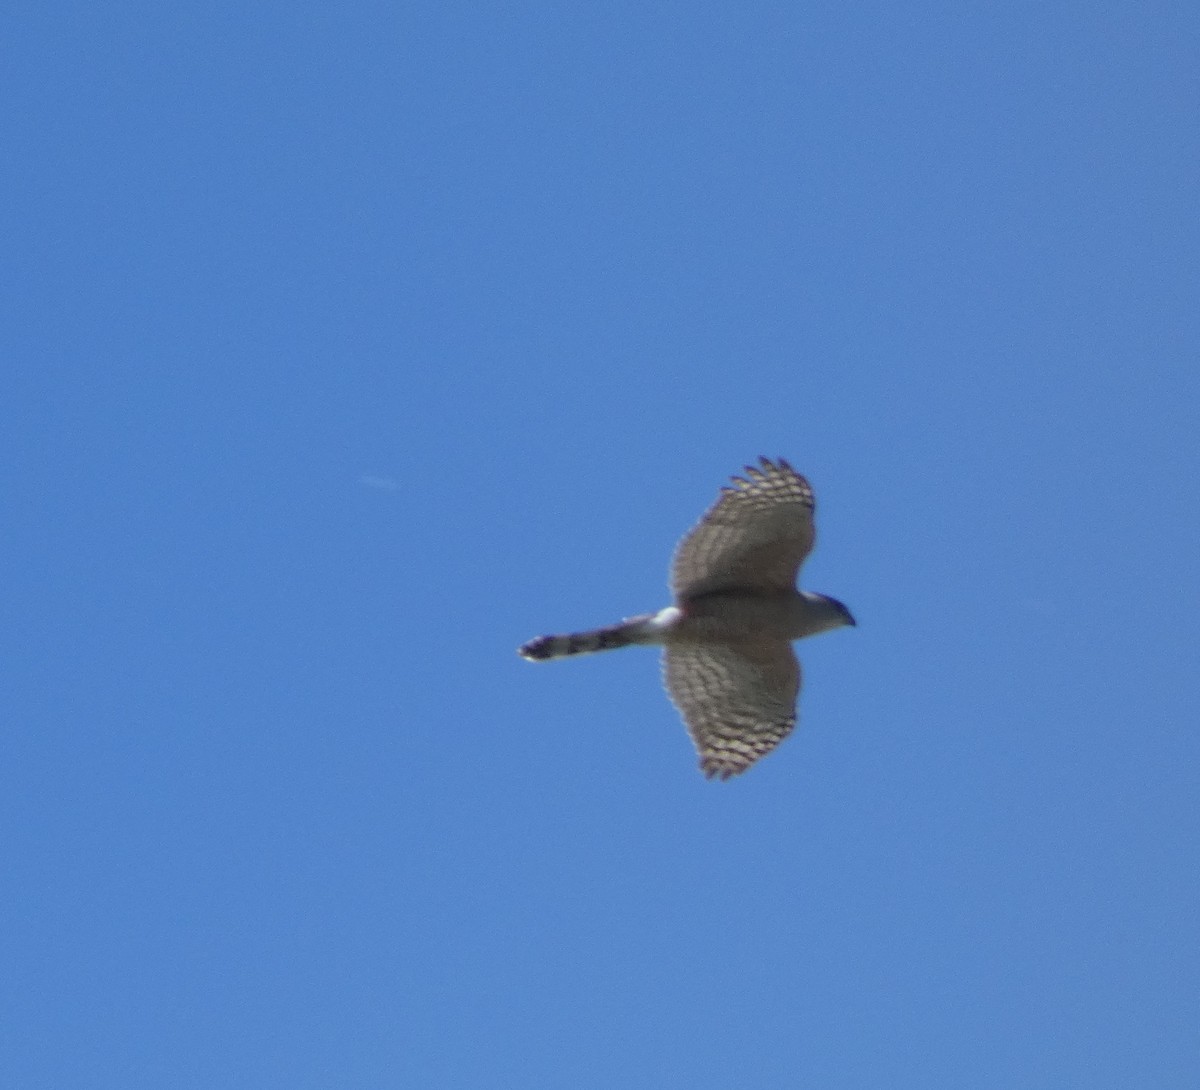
x=728, y=662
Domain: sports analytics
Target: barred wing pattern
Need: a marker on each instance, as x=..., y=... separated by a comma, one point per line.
x=727, y=639
x=755, y=537
x=737, y=699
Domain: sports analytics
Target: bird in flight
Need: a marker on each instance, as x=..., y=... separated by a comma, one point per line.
x=728, y=662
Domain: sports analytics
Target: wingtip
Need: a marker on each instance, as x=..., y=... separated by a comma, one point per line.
x=718, y=770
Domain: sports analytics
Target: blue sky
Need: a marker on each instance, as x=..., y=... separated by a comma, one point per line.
x=347, y=346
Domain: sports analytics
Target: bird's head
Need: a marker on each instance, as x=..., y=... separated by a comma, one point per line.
x=828, y=612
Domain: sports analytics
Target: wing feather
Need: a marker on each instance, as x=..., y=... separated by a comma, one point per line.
x=738, y=700
x=754, y=538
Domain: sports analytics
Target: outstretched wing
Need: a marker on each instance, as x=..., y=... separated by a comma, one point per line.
x=737, y=699
x=755, y=537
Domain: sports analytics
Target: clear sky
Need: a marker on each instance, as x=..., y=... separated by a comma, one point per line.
x=347, y=346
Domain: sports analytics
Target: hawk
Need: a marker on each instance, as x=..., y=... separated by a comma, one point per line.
x=728, y=662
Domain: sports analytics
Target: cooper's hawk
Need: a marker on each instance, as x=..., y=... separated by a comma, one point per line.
x=728, y=661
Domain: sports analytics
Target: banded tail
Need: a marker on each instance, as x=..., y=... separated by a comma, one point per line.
x=647, y=628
